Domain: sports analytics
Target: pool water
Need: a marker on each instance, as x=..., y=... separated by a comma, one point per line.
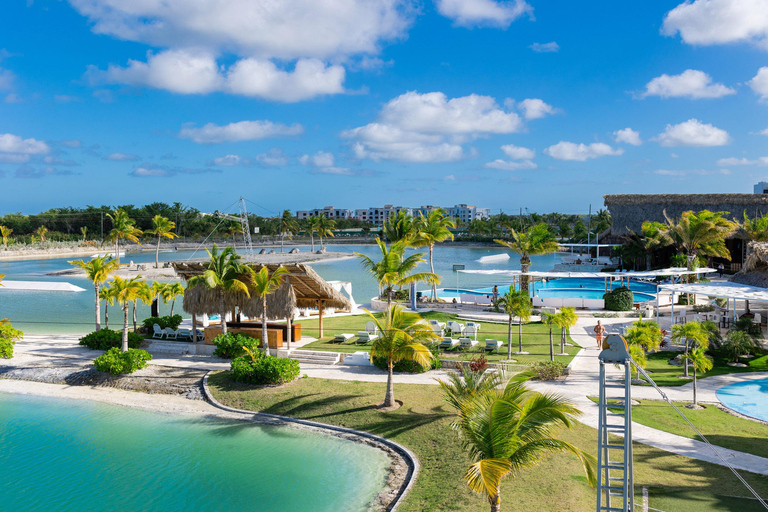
x=581, y=288
x=749, y=398
x=71, y=455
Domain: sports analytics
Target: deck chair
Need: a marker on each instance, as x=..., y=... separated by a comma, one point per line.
x=449, y=343
x=457, y=329
x=157, y=332
x=468, y=343
x=184, y=334
x=171, y=334
x=470, y=331
x=436, y=327
x=342, y=338
x=491, y=345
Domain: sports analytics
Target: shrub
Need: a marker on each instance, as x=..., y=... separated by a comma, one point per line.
x=8, y=338
x=116, y=362
x=478, y=365
x=406, y=366
x=548, y=370
x=703, y=308
x=620, y=299
x=163, y=321
x=230, y=346
x=106, y=339
x=258, y=368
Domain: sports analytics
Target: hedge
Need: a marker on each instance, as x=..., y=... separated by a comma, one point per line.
x=106, y=339
x=230, y=346
x=620, y=299
x=116, y=362
x=163, y=321
x=263, y=369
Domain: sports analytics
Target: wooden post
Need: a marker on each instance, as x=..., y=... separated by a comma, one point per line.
x=320, y=318
x=289, y=333
x=194, y=328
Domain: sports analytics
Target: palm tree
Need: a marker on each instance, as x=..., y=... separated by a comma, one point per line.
x=535, y=240
x=515, y=303
x=693, y=334
x=312, y=222
x=430, y=230
x=162, y=227
x=123, y=228
x=394, y=269
x=41, y=232
x=399, y=228
x=643, y=337
x=107, y=294
x=755, y=230
x=262, y=284
x=566, y=319
x=127, y=291
x=550, y=319
x=603, y=220
x=97, y=270
x=467, y=383
x=223, y=274
x=508, y=430
x=5, y=233
x=325, y=227
x=738, y=343
x=84, y=232
x=145, y=295
x=654, y=236
x=402, y=337
x=701, y=233
x=700, y=362
x=233, y=230
x=288, y=226
x=170, y=292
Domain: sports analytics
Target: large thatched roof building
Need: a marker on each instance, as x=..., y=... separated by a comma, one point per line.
x=754, y=272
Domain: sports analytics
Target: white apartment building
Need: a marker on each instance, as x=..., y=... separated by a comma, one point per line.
x=329, y=211
x=468, y=212
x=379, y=215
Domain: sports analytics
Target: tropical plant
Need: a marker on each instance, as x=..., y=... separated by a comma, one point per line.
x=231, y=346
x=8, y=338
x=508, y=430
x=233, y=230
x=535, y=240
x=700, y=362
x=754, y=331
x=5, y=233
x=288, y=227
x=737, y=344
x=84, y=232
x=467, y=384
x=701, y=233
x=402, y=337
x=754, y=229
x=97, y=270
x=641, y=338
x=603, y=220
x=170, y=291
x=258, y=368
x=123, y=228
x=325, y=227
x=263, y=284
x=224, y=273
x=162, y=227
x=550, y=319
x=106, y=339
x=126, y=291
x=566, y=319
x=394, y=269
x=515, y=303
x=430, y=230
x=399, y=228
x=692, y=334
x=118, y=362
x=144, y=295
x=106, y=293
x=41, y=232
x=312, y=222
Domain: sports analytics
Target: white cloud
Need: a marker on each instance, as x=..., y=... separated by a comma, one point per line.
x=759, y=84
x=158, y=171
x=709, y=22
x=344, y=171
x=274, y=156
x=236, y=132
x=14, y=144
x=763, y=132
x=581, y=152
x=13, y=158
x=534, y=108
x=228, y=160
x=693, y=133
x=505, y=165
x=691, y=83
x=13, y=98
x=551, y=47
x=628, y=136
x=6, y=79
x=121, y=157
x=262, y=79
x=319, y=159
x=699, y=172
x=472, y=13
x=517, y=152
x=728, y=162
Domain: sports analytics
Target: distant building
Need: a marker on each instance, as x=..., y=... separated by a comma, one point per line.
x=761, y=188
x=329, y=211
x=466, y=213
x=379, y=215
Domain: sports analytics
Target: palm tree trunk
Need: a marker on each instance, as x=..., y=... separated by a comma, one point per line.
x=117, y=252
x=264, y=340
x=509, y=338
x=125, y=327
x=157, y=253
x=223, y=313
x=524, y=278
x=562, y=341
x=685, y=372
x=551, y=345
x=282, y=239
x=495, y=503
x=134, y=316
x=432, y=269
x=312, y=239
x=98, y=307
x=694, y=387
x=389, y=398
x=520, y=334
x=173, y=305
x=389, y=297
x=106, y=314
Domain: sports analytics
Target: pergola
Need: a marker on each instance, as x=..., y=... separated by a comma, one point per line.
x=724, y=290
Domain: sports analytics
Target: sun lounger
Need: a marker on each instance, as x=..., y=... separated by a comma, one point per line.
x=491, y=344
x=457, y=329
x=157, y=332
x=436, y=327
x=449, y=343
x=364, y=337
x=342, y=338
x=470, y=331
x=184, y=334
x=468, y=343
x=171, y=334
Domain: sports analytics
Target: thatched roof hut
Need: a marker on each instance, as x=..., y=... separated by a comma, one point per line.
x=754, y=271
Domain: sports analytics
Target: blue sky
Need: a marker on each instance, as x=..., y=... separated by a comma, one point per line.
x=355, y=103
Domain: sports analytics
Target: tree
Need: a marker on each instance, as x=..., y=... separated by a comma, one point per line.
x=97, y=270
x=145, y=295
x=84, y=232
x=312, y=222
x=288, y=226
x=566, y=319
x=325, y=227
x=737, y=343
x=506, y=431
x=5, y=233
x=430, y=230
x=41, y=232
x=468, y=383
x=223, y=274
x=401, y=337
x=515, y=303
x=262, y=284
x=550, y=319
x=107, y=294
x=233, y=230
x=641, y=338
x=394, y=269
x=399, y=228
x=700, y=362
x=701, y=233
x=123, y=228
x=127, y=291
x=755, y=230
x=535, y=240
x=170, y=291
x=691, y=333
x=162, y=227
x=603, y=220
x=654, y=236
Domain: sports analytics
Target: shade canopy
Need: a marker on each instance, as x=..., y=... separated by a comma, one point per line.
x=665, y=272
x=725, y=290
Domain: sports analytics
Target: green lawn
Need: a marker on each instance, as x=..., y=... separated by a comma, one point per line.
x=535, y=338
x=423, y=425
x=665, y=374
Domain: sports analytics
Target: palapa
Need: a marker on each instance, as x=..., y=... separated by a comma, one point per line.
x=754, y=272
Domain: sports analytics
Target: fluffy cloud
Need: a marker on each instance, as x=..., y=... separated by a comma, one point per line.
x=763, y=132
x=708, y=22
x=385, y=142
x=262, y=79
x=236, y=132
x=698, y=172
x=551, y=47
x=581, y=152
x=728, y=162
x=472, y=13
x=274, y=156
x=158, y=171
x=319, y=159
x=121, y=157
x=345, y=171
x=229, y=160
x=505, y=165
x=759, y=83
x=693, y=133
x=691, y=83
x=14, y=149
x=535, y=108
x=627, y=136
x=517, y=152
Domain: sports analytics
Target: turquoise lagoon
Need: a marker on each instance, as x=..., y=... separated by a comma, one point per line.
x=71, y=455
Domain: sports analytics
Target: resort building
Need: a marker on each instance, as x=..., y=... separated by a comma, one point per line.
x=328, y=211
x=378, y=215
x=466, y=213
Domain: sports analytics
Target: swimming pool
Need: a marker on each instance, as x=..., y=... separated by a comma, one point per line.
x=749, y=398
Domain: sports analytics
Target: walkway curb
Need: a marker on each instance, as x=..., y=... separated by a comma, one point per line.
x=408, y=457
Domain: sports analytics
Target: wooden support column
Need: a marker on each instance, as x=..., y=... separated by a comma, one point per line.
x=320, y=318
x=194, y=328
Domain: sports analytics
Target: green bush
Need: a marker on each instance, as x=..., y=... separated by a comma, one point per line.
x=264, y=369
x=106, y=339
x=115, y=362
x=620, y=299
x=163, y=321
x=8, y=338
x=411, y=366
x=548, y=370
x=230, y=346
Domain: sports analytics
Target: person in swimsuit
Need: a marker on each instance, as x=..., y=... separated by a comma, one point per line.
x=599, y=333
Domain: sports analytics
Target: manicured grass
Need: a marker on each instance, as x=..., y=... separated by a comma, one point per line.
x=423, y=425
x=665, y=374
x=535, y=338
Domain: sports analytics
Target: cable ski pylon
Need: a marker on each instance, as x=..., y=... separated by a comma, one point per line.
x=615, y=485
x=246, y=228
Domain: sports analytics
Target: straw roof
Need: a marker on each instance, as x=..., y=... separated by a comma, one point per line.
x=754, y=272
x=302, y=288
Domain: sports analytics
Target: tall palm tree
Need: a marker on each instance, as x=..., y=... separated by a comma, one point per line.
x=535, y=240
x=506, y=431
x=692, y=334
x=162, y=227
x=233, y=230
x=430, y=230
x=566, y=319
x=126, y=291
x=288, y=226
x=755, y=230
x=394, y=269
x=515, y=303
x=550, y=319
x=170, y=292
x=224, y=273
x=312, y=222
x=700, y=362
x=643, y=337
x=41, y=232
x=402, y=337
x=145, y=295
x=701, y=233
x=654, y=236
x=399, y=228
x=262, y=284
x=123, y=228
x=5, y=233
x=467, y=383
x=107, y=294
x=325, y=227
x=97, y=270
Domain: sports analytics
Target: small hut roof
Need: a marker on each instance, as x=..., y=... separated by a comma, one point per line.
x=754, y=272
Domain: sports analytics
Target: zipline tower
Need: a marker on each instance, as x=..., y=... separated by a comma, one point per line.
x=243, y=220
x=615, y=485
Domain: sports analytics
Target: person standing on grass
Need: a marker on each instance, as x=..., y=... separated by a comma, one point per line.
x=599, y=333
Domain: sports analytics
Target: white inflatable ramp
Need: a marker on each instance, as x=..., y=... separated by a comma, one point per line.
x=45, y=286
x=494, y=258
